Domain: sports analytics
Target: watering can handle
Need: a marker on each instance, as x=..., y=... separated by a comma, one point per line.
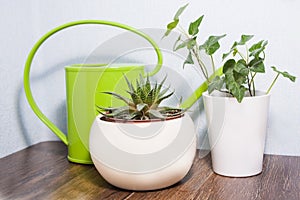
x=28, y=93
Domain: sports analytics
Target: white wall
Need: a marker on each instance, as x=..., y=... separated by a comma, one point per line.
x=24, y=22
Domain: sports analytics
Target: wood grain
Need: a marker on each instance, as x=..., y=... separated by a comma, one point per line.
x=42, y=171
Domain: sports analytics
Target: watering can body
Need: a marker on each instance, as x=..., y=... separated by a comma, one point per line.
x=84, y=84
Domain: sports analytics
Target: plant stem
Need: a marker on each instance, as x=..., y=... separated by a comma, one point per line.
x=247, y=55
x=213, y=64
x=252, y=79
x=249, y=85
x=196, y=53
x=273, y=83
x=252, y=82
x=201, y=64
x=225, y=91
x=242, y=56
x=182, y=31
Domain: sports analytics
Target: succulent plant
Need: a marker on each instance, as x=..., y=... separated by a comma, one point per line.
x=143, y=103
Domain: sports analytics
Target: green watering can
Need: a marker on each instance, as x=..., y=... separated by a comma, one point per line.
x=83, y=85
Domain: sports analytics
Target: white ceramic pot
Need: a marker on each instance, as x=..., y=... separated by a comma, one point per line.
x=143, y=155
x=236, y=133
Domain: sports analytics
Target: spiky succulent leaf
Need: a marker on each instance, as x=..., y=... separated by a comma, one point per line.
x=130, y=86
x=150, y=98
x=110, y=112
x=125, y=99
x=155, y=113
x=140, y=91
x=141, y=106
x=144, y=102
x=162, y=93
x=135, y=115
x=159, y=86
x=147, y=85
x=164, y=97
x=135, y=98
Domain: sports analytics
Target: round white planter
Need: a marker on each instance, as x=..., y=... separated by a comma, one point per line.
x=236, y=133
x=143, y=155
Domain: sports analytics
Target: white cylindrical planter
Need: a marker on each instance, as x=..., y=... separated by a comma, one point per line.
x=143, y=155
x=237, y=133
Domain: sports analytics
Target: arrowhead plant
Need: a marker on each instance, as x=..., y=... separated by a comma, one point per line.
x=239, y=70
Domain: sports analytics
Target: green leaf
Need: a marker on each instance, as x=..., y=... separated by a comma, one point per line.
x=212, y=48
x=147, y=85
x=285, y=74
x=155, y=113
x=141, y=106
x=135, y=98
x=229, y=66
x=216, y=84
x=164, y=97
x=150, y=97
x=258, y=45
x=257, y=48
x=160, y=86
x=130, y=86
x=126, y=100
x=235, y=51
x=257, y=65
x=176, y=42
x=170, y=27
x=194, y=26
x=241, y=67
x=239, y=93
x=239, y=78
x=175, y=21
x=140, y=91
x=192, y=42
x=240, y=72
x=226, y=54
x=188, y=60
x=179, y=12
x=120, y=110
x=189, y=43
x=244, y=39
x=135, y=115
x=235, y=88
x=233, y=47
x=162, y=93
x=211, y=45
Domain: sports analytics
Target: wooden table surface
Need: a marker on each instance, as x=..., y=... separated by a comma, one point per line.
x=42, y=171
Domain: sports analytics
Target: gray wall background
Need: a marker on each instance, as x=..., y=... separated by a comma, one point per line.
x=24, y=22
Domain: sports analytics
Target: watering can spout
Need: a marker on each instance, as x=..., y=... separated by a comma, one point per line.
x=189, y=102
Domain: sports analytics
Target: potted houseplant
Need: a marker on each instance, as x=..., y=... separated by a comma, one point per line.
x=236, y=111
x=142, y=145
